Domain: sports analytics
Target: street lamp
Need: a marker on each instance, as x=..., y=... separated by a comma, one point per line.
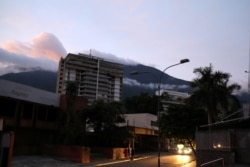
x=248, y=95
x=158, y=105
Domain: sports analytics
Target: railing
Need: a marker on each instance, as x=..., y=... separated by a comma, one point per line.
x=210, y=162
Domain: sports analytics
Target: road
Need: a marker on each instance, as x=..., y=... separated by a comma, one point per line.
x=166, y=161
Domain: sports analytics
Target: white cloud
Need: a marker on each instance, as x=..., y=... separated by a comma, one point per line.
x=133, y=82
x=42, y=52
x=111, y=57
x=45, y=45
x=12, y=63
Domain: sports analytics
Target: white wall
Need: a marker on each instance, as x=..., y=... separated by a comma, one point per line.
x=142, y=120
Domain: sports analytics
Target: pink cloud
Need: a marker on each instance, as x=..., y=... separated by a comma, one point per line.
x=45, y=45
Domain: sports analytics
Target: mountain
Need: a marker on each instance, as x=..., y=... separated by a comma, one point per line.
x=148, y=79
x=46, y=80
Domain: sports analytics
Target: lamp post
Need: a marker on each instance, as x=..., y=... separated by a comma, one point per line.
x=159, y=99
x=248, y=93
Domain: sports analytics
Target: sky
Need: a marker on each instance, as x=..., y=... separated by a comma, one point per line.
x=157, y=33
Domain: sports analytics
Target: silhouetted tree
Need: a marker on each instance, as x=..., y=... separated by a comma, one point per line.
x=180, y=122
x=103, y=117
x=214, y=93
x=143, y=103
x=71, y=121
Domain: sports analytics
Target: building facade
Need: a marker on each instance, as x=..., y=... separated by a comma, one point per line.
x=97, y=78
x=170, y=97
x=32, y=114
x=144, y=128
x=27, y=107
x=144, y=123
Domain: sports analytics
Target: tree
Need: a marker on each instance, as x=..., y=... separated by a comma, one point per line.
x=180, y=122
x=71, y=121
x=103, y=117
x=213, y=93
x=144, y=103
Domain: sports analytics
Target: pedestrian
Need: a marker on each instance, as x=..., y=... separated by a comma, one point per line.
x=128, y=151
x=125, y=153
x=132, y=153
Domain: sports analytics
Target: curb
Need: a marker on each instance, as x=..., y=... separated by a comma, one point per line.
x=118, y=161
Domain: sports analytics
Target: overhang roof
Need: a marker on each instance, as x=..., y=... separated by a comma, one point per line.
x=27, y=93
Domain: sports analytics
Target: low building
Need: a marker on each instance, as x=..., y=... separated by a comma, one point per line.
x=25, y=106
x=144, y=128
x=143, y=123
x=32, y=114
x=172, y=97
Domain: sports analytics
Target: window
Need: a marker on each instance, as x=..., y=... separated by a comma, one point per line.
x=41, y=113
x=154, y=123
x=27, y=110
x=8, y=107
x=52, y=114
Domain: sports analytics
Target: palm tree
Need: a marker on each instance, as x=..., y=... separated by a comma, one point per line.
x=213, y=92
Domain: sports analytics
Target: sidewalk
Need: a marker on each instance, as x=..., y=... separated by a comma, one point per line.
x=239, y=165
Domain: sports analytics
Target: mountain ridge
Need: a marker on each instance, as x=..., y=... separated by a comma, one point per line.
x=41, y=79
x=46, y=80
x=147, y=82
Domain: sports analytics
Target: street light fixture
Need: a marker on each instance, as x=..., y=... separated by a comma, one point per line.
x=158, y=105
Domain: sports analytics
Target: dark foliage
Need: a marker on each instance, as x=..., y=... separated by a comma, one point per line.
x=214, y=93
x=144, y=103
x=103, y=117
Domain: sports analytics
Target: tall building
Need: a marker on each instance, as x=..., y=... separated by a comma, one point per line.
x=97, y=78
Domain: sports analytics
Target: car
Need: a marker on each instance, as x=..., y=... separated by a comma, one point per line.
x=181, y=149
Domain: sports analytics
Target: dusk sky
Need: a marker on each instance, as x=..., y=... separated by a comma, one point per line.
x=34, y=34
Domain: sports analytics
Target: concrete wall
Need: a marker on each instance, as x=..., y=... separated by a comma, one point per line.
x=204, y=156
x=242, y=146
x=233, y=145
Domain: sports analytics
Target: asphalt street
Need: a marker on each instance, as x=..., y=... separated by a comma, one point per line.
x=146, y=160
